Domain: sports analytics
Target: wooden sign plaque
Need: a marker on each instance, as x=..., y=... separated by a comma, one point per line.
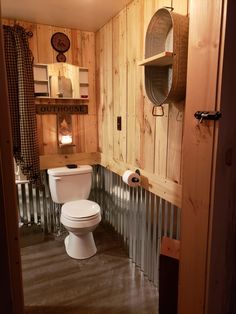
x=61, y=108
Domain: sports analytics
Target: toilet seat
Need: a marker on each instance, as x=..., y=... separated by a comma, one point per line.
x=80, y=214
x=80, y=210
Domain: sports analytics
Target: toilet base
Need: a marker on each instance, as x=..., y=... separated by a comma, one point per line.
x=80, y=246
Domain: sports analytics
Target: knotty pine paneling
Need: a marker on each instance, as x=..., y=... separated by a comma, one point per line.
x=135, y=126
x=119, y=50
x=105, y=97
x=81, y=53
x=153, y=144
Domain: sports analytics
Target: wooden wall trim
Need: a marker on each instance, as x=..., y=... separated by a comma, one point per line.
x=52, y=161
x=170, y=247
x=167, y=189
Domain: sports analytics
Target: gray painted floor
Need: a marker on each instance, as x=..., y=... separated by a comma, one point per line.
x=106, y=283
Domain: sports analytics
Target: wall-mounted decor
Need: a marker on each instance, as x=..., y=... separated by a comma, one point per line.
x=61, y=108
x=61, y=43
x=61, y=80
x=165, y=60
x=64, y=129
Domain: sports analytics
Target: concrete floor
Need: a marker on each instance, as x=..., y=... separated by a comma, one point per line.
x=106, y=283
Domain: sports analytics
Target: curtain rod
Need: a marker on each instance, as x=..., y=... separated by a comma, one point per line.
x=27, y=32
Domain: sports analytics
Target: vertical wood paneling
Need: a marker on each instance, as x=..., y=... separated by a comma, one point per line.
x=76, y=49
x=143, y=127
x=90, y=121
x=78, y=133
x=99, y=84
x=134, y=83
x=49, y=124
x=45, y=51
x=88, y=61
x=131, y=59
x=40, y=134
x=152, y=143
x=164, y=3
x=106, y=95
x=161, y=141
x=175, y=138
x=175, y=123
x=119, y=83
x=109, y=88
x=90, y=129
x=150, y=7
x=180, y=7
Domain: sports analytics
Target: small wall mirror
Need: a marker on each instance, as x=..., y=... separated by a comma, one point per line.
x=60, y=80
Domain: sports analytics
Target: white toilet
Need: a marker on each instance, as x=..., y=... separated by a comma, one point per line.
x=71, y=187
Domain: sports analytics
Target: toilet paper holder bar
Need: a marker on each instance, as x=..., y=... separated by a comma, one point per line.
x=138, y=172
x=136, y=179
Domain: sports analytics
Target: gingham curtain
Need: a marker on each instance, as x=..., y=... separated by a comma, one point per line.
x=19, y=66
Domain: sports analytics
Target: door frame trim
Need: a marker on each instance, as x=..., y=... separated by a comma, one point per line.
x=11, y=287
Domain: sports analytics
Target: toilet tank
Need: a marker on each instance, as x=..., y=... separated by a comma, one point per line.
x=70, y=184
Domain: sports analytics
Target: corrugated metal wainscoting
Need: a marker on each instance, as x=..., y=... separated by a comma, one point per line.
x=140, y=217
x=36, y=207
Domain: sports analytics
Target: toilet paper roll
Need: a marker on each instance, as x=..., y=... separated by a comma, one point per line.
x=131, y=178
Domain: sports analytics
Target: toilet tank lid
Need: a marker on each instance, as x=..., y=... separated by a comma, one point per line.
x=64, y=171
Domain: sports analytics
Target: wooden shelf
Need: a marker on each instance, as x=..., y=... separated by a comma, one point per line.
x=41, y=84
x=41, y=81
x=161, y=59
x=66, y=145
x=48, y=100
x=61, y=79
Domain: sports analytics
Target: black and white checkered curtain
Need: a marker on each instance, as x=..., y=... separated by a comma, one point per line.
x=19, y=65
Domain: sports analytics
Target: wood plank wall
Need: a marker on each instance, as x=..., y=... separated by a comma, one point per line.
x=81, y=53
x=146, y=142
x=151, y=144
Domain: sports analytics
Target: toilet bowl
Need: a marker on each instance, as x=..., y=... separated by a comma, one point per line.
x=71, y=186
x=80, y=218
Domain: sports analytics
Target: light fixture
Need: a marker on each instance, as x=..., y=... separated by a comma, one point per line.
x=64, y=129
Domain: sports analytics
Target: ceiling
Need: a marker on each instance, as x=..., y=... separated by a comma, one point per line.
x=88, y=15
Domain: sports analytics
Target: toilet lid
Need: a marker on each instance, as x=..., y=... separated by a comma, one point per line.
x=65, y=171
x=80, y=209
